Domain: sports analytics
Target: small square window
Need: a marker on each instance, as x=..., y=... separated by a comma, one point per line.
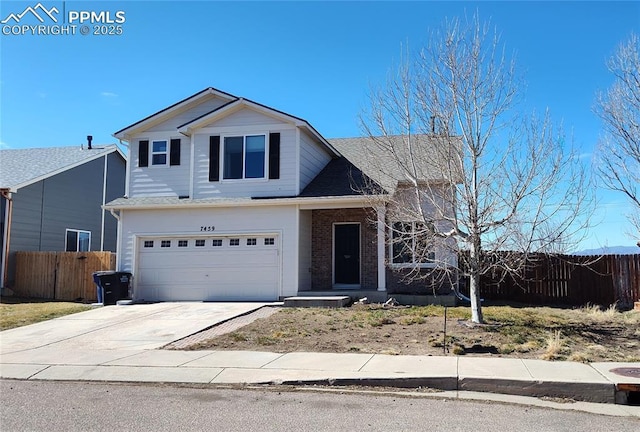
x=159, y=153
x=234, y=242
x=270, y=241
x=252, y=242
x=183, y=243
x=165, y=243
x=217, y=242
x=199, y=243
x=148, y=243
x=77, y=240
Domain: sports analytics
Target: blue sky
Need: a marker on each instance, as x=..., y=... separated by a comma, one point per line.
x=315, y=60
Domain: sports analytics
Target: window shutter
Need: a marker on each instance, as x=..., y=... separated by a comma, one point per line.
x=143, y=153
x=174, y=152
x=214, y=158
x=274, y=155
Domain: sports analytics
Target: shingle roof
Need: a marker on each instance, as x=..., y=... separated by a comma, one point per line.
x=393, y=159
x=21, y=167
x=339, y=178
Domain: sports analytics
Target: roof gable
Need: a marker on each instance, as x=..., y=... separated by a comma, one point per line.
x=172, y=110
x=22, y=167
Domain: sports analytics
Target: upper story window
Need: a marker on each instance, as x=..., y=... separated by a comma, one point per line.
x=77, y=241
x=158, y=153
x=244, y=157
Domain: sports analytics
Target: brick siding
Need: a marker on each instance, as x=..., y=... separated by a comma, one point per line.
x=322, y=246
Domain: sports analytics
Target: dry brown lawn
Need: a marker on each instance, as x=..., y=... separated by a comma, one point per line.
x=586, y=334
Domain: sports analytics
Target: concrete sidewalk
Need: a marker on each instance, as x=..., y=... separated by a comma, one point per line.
x=31, y=353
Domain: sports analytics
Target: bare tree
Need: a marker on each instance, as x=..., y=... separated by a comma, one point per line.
x=618, y=156
x=469, y=171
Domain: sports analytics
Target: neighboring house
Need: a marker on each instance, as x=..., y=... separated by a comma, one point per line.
x=228, y=199
x=52, y=198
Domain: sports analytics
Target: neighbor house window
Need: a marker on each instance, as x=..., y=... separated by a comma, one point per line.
x=410, y=244
x=159, y=153
x=244, y=157
x=77, y=240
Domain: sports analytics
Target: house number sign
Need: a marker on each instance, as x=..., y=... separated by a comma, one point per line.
x=207, y=228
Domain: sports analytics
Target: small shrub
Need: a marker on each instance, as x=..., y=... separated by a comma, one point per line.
x=555, y=349
x=238, y=337
x=579, y=357
x=458, y=349
x=506, y=349
x=265, y=340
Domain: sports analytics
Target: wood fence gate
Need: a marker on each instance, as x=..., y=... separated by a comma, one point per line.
x=60, y=275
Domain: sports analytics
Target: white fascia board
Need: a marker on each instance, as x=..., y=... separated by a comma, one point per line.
x=358, y=201
x=68, y=167
x=126, y=133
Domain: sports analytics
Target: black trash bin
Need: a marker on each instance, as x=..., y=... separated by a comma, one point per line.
x=112, y=286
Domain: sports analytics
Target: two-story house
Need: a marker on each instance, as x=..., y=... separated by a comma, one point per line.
x=228, y=199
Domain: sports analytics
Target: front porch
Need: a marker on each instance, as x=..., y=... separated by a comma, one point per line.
x=342, y=250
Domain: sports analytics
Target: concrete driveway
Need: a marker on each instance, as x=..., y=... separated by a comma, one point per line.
x=130, y=327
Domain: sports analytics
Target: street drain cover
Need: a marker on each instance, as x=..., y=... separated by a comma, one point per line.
x=632, y=372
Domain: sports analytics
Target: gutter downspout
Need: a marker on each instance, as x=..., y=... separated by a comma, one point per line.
x=104, y=201
x=118, y=238
x=6, y=194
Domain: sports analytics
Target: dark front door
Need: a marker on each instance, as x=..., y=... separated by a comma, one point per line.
x=346, y=254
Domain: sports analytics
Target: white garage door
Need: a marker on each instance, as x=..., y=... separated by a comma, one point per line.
x=230, y=268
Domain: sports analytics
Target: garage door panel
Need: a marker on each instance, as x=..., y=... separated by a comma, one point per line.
x=215, y=271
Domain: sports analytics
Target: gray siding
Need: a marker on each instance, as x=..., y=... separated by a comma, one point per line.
x=313, y=158
x=72, y=199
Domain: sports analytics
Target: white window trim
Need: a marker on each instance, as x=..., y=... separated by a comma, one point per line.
x=77, y=231
x=166, y=152
x=412, y=264
x=244, y=136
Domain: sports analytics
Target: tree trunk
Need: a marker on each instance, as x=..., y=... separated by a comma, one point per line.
x=474, y=294
x=474, y=282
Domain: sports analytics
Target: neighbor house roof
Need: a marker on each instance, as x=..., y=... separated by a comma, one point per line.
x=396, y=159
x=22, y=167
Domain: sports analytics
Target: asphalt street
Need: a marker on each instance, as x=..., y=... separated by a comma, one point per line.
x=72, y=406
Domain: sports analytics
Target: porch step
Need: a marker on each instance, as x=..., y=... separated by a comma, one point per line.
x=328, y=301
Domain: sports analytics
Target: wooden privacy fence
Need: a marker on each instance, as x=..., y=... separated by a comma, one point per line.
x=60, y=275
x=570, y=280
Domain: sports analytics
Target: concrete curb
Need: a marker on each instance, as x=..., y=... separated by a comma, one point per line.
x=583, y=391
